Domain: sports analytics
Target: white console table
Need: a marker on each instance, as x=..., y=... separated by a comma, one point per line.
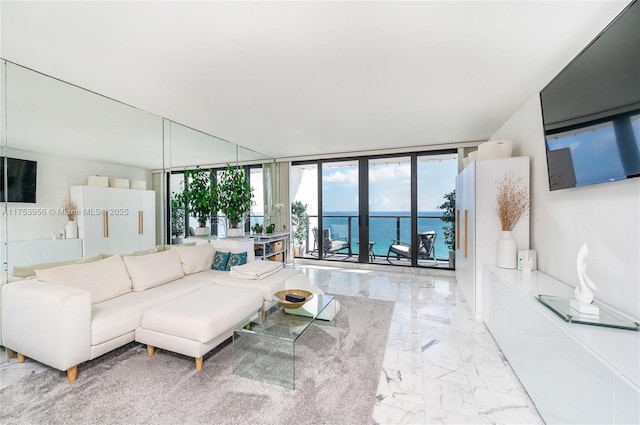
x=574, y=373
x=22, y=253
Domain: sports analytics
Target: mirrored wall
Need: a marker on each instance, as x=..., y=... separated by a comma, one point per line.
x=60, y=142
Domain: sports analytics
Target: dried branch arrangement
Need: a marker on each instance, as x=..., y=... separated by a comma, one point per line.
x=69, y=207
x=512, y=201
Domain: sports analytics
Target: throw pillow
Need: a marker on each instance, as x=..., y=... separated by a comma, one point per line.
x=220, y=260
x=236, y=260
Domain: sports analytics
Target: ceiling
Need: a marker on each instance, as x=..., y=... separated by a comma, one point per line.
x=295, y=79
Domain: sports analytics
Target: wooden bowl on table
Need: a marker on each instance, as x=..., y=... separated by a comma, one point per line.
x=280, y=297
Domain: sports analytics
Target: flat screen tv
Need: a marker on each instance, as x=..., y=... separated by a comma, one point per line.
x=21, y=180
x=591, y=109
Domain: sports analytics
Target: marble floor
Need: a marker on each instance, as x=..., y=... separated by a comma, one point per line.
x=440, y=365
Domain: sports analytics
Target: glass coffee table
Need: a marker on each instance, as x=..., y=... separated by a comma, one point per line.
x=265, y=350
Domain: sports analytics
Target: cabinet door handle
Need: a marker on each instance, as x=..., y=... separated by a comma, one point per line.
x=105, y=224
x=458, y=229
x=140, y=222
x=466, y=233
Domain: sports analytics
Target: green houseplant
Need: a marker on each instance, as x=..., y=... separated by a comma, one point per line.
x=300, y=225
x=449, y=218
x=200, y=197
x=234, y=197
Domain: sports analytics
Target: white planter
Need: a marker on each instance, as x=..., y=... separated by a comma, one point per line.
x=71, y=230
x=507, y=251
x=234, y=232
x=202, y=231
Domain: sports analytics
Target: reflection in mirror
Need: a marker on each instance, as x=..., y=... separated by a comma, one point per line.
x=191, y=149
x=99, y=173
x=80, y=142
x=3, y=205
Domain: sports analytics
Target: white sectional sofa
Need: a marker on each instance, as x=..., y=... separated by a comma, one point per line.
x=171, y=299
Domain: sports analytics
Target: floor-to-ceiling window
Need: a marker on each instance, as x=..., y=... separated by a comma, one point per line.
x=367, y=205
x=389, y=205
x=303, y=184
x=436, y=176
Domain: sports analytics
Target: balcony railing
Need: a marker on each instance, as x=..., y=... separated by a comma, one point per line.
x=383, y=230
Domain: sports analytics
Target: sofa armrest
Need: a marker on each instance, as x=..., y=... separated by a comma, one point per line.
x=47, y=322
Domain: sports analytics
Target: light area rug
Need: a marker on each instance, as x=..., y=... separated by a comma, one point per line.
x=337, y=373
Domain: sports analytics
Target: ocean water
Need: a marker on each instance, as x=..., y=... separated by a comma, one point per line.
x=384, y=228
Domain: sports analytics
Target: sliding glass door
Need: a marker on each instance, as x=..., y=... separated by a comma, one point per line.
x=377, y=209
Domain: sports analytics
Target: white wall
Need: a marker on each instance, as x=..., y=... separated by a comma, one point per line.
x=55, y=175
x=605, y=216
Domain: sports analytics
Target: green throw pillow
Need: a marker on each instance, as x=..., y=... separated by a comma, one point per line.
x=220, y=261
x=236, y=260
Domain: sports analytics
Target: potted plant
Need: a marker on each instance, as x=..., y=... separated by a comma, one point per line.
x=199, y=197
x=177, y=219
x=70, y=210
x=234, y=197
x=512, y=203
x=257, y=228
x=300, y=225
x=449, y=218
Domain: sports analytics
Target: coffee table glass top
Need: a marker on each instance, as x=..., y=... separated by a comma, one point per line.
x=282, y=325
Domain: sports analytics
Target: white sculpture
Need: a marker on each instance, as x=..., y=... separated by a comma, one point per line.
x=584, y=291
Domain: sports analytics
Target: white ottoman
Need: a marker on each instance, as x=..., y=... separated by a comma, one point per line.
x=196, y=323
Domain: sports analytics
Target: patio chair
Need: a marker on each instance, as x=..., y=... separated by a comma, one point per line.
x=330, y=246
x=426, y=244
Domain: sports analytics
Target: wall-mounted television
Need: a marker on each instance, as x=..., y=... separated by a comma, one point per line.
x=591, y=109
x=21, y=180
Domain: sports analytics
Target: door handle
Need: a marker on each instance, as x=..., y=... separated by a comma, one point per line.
x=458, y=229
x=105, y=224
x=466, y=233
x=140, y=222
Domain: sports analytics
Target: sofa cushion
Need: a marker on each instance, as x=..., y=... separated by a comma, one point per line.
x=236, y=260
x=204, y=314
x=30, y=270
x=151, y=270
x=119, y=316
x=220, y=260
x=104, y=279
x=195, y=258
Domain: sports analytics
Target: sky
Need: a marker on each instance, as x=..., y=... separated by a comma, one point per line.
x=389, y=185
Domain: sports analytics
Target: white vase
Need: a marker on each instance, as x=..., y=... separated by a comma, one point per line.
x=234, y=232
x=202, y=231
x=507, y=251
x=71, y=230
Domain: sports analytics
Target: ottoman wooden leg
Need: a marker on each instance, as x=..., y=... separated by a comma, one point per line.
x=10, y=353
x=72, y=372
x=198, y=363
x=150, y=350
x=21, y=358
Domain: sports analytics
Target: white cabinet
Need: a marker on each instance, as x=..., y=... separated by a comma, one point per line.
x=22, y=253
x=574, y=373
x=114, y=220
x=478, y=225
